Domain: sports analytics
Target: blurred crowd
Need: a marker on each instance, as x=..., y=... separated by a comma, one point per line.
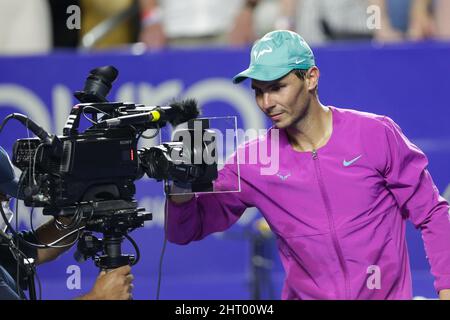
x=39, y=26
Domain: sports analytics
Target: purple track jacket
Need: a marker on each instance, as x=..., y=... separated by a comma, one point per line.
x=339, y=214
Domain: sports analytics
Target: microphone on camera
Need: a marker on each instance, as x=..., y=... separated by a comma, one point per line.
x=179, y=112
x=175, y=113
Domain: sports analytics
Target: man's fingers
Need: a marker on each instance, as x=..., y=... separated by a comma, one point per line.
x=123, y=270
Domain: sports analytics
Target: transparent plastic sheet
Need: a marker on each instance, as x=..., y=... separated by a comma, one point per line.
x=223, y=132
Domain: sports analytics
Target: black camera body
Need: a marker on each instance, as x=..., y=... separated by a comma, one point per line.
x=90, y=167
x=102, y=163
x=90, y=175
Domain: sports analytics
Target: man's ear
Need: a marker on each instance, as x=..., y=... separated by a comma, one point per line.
x=312, y=77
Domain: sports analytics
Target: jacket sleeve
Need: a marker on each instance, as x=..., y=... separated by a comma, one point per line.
x=411, y=184
x=206, y=213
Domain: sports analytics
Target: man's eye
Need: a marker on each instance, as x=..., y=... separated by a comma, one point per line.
x=276, y=88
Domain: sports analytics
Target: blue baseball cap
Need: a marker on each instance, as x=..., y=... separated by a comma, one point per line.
x=9, y=184
x=275, y=55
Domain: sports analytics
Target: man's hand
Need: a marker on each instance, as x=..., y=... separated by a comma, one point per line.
x=113, y=285
x=179, y=199
x=444, y=294
x=180, y=194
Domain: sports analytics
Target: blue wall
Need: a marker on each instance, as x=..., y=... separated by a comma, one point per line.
x=409, y=83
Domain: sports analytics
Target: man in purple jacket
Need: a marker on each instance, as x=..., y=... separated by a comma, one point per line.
x=347, y=182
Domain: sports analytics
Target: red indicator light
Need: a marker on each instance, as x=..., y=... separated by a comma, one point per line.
x=132, y=154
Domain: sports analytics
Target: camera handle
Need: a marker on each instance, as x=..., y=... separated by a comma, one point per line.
x=113, y=257
x=114, y=220
x=89, y=246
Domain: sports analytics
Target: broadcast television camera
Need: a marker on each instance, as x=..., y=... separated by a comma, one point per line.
x=90, y=175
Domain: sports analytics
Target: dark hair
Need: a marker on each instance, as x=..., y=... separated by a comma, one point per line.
x=302, y=74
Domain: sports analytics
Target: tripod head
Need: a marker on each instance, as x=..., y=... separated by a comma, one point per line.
x=114, y=219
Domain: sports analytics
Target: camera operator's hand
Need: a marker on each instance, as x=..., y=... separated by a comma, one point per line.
x=112, y=285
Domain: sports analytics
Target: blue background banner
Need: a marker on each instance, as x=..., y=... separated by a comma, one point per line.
x=408, y=82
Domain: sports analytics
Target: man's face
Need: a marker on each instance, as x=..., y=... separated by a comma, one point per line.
x=284, y=101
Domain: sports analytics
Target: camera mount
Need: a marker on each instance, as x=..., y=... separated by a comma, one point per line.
x=114, y=219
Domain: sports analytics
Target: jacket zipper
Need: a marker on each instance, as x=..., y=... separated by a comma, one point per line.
x=334, y=237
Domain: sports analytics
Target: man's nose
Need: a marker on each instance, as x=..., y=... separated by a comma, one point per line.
x=267, y=101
